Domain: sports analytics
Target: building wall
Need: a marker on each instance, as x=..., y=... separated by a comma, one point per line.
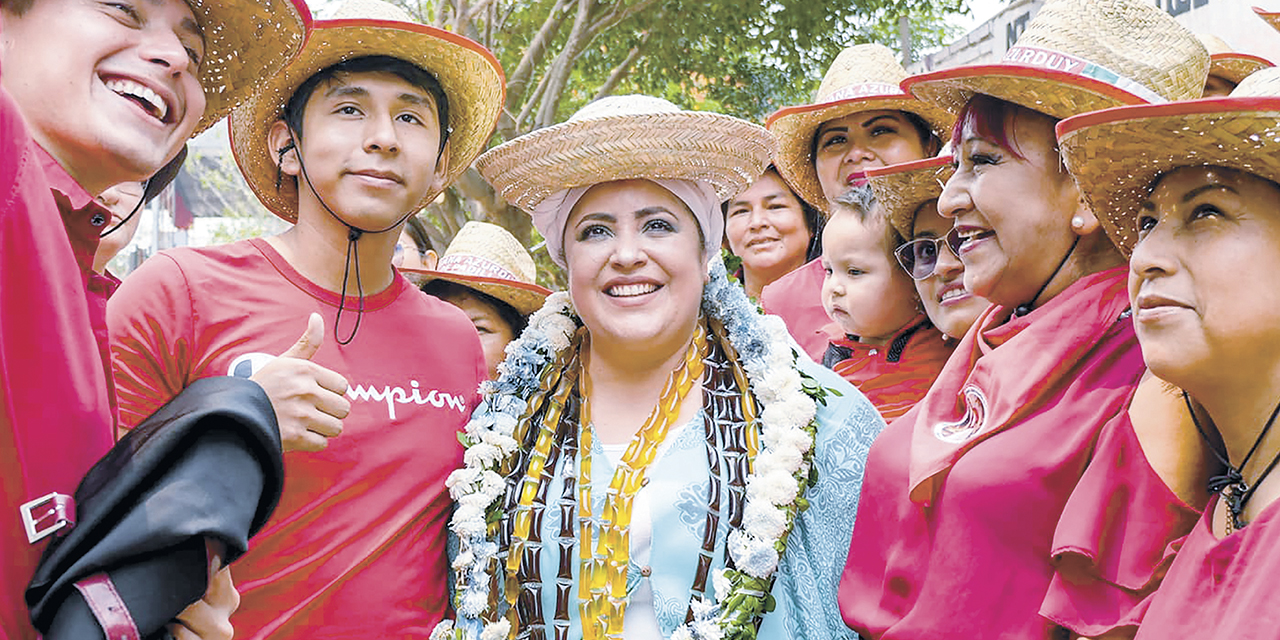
x=1231, y=20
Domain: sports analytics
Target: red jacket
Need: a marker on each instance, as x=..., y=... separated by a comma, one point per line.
x=896, y=376
x=55, y=393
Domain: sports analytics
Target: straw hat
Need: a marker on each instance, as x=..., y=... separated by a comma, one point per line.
x=244, y=42
x=628, y=137
x=1078, y=56
x=1229, y=64
x=487, y=258
x=1272, y=17
x=902, y=188
x=1116, y=155
x=470, y=75
x=865, y=77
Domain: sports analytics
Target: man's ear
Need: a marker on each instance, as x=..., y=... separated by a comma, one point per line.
x=439, y=180
x=281, y=148
x=430, y=260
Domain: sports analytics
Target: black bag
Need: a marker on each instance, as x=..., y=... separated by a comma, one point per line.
x=207, y=465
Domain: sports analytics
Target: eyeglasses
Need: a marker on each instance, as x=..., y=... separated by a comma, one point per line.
x=919, y=257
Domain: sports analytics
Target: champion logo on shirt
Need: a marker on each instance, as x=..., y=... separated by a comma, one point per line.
x=975, y=414
x=244, y=366
x=398, y=395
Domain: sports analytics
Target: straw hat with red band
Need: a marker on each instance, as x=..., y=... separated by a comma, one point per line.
x=471, y=78
x=902, y=188
x=1271, y=17
x=865, y=77
x=487, y=258
x=244, y=43
x=1116, y=155
x=1228, y=63
x=1078, y=56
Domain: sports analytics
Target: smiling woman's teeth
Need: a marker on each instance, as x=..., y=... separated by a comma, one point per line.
x=132, y=89
x=629, y=290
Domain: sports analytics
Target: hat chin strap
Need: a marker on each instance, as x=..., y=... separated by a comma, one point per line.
x=136, y=209
x=354, y=234
x=1026, y=307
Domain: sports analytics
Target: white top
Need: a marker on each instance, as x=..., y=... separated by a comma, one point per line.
x=641, y=621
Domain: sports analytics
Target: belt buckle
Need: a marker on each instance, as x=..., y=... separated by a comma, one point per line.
x=58, y=514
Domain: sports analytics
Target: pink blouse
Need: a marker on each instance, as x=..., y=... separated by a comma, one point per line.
x=1221, y=589
x=1015, y=499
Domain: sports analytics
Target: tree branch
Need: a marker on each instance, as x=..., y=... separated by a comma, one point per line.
x=518, y=81
x=558, y=74
x=461, y=16
x=442, y=7
x=620, y=72
x=614, y=16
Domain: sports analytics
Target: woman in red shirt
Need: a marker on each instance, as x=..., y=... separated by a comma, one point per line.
x=1199, y=219
x=1015, y=500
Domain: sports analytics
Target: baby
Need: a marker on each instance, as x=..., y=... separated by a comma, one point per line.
x=880, y=339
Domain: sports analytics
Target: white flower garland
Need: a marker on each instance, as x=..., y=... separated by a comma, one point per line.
x=774, y=490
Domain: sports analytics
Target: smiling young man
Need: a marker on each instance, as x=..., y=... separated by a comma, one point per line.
x=92, y=94
x=368, y=125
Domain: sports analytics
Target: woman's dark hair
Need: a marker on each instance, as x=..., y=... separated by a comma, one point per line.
x=407, y=71
x=418, y=232
x=814, y=221
x=448, y=290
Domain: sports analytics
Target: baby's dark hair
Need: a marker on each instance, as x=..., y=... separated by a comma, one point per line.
x=447, y=290
x=407, y=71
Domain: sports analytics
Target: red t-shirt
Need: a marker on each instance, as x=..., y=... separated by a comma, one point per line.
x=1015, y=497
x=797, y=299
x=894, y=377
x=55, y=394
x=1221, y=589
x=356, y=548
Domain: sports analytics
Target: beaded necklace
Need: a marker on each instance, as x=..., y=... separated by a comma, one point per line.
x=602, y=577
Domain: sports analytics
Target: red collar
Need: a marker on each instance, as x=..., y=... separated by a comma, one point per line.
x=892, y=349
x=61, y=181
x=984, y=389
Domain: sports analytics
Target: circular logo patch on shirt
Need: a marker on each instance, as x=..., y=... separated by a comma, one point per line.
x=246, y=365
x=975, y=414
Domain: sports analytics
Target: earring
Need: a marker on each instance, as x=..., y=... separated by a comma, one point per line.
x=1077, y=222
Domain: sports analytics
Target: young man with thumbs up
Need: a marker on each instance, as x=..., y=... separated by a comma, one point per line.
x=371, y=379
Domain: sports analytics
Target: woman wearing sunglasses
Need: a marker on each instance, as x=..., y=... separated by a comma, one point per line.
x=908, y=194
x=1016, y=500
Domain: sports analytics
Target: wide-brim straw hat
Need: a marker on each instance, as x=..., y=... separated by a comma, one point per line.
x=1116, y=155
x=902, y=188
x=471, y=77
x=1228, y=63
x=1270, y=17
x=624, y=138
x=487, y=258
x=244, y=43
x=864, y=77
x=1078, y=56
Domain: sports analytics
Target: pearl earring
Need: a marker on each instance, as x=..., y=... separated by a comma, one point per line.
x=1077, y=222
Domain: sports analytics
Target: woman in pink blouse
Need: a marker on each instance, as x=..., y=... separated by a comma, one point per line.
x=1191, y=193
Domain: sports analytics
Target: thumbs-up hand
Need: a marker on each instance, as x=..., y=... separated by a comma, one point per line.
x=308, y=399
